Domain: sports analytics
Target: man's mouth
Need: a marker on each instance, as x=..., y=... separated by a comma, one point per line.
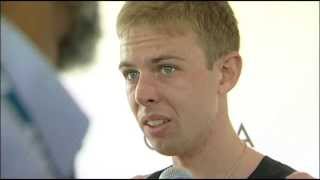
x=156, y=123
x=154, y=120
x=156, y=126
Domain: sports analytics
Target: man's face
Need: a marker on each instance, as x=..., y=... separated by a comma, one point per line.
x=170, y=90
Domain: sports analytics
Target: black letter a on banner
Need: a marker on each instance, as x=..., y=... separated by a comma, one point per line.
x=247, y=138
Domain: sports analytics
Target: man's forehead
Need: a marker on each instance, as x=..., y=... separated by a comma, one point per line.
x=146, y=42
x=164, y=30
x=146, y=51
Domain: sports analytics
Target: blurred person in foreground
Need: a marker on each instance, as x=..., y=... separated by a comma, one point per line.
x=42, y=128
x=180, y=59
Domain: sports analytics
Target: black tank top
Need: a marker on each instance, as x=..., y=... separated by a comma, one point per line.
x=267, y=168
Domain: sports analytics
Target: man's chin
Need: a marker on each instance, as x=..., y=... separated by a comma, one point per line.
x=167, y=150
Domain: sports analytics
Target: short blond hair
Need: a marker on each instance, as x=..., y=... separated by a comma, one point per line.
x=213, y=22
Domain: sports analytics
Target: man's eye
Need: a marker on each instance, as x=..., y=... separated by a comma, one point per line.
x=167, y=69
x=131, y=75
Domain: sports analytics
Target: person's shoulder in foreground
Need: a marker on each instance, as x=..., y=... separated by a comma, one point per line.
x=42, y=127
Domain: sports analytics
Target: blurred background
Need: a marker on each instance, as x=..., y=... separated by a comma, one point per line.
x=276, y=99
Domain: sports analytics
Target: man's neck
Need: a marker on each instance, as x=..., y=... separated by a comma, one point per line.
x=217, y=157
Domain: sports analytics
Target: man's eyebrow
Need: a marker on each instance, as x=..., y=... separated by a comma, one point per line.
x=165, y=57
x=125, y=64
x=152, y=61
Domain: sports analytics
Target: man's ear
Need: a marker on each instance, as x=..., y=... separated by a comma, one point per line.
x=229, y=67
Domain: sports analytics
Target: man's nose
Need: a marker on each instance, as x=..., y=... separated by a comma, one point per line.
x=146, y=92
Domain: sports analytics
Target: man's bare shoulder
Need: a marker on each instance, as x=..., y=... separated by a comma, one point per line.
x=300, y=175
x=140, y=177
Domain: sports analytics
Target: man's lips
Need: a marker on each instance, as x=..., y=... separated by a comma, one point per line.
x=154, y=120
